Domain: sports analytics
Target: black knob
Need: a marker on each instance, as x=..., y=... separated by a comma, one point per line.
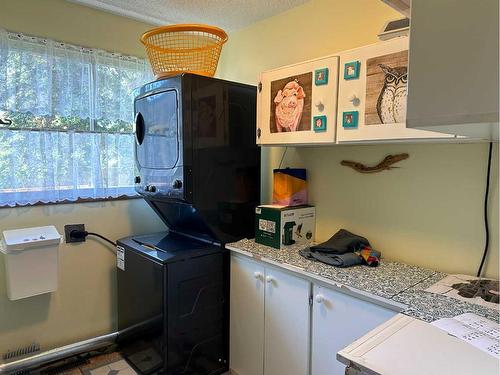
x=146, y=188
x=152, y=188
x=177, y=184
x=137, y=179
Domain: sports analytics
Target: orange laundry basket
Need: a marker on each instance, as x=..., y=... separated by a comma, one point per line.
x=189, y=48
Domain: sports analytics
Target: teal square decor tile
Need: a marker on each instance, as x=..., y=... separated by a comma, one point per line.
x=319, y=123
x=321, y=77
x=351, y=70
x=350, y=119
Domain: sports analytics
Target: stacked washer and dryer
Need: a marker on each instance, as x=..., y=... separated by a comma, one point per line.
x=199, y=169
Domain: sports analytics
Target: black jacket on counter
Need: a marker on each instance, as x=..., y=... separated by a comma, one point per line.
x=339, y=250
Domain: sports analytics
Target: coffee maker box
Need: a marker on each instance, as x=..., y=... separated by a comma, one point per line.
x=282, y=226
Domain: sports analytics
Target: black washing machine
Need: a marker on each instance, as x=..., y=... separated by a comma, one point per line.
x=173, y=304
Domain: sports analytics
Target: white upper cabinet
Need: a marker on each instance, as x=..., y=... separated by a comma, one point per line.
x=297, y=104
x=373, y=94
x=402, y=6
x=454, y=71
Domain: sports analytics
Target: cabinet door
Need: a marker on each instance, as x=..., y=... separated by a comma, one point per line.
x=454, y=68
x=297, y=104
x=373, y=94
x=287, y=318
x=338, y=319
x=246, y=317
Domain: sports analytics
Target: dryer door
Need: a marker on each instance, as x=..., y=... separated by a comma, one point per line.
x=158, y=133
x=157, y=130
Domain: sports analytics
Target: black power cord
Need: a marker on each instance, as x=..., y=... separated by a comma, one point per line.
x=82, y=234
x=486, y=224
x=101, y=237
x=283, y=157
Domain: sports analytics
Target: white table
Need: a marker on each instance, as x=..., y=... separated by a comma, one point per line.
x=408, y=346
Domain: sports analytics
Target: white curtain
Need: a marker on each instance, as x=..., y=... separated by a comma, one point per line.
x=72, y=117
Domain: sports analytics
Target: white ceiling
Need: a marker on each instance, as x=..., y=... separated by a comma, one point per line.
x=227, y=14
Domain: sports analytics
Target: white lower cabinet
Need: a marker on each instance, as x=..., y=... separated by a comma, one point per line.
x=274, y=329
x=338, y=319
x=246, y=317
x=269, y=332
x=286, y=328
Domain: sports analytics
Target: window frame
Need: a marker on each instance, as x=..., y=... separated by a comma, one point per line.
x=93, y=125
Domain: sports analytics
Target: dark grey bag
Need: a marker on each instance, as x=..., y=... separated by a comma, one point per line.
x=342, y=242
x=337, y=260
x=339, y=250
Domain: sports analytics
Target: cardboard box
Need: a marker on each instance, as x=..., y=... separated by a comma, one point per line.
x=281, y=226
x=290, y=187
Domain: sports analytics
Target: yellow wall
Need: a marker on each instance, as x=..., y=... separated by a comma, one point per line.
x=84, y=304
x=72, y=23
x=429, y=212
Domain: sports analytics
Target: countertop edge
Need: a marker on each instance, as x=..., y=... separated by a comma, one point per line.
x=385, y=302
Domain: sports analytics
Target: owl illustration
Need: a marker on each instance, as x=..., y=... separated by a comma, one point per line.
x=391, y=103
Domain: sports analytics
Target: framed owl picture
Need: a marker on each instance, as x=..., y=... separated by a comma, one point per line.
x=386, y=89
x=379, y=95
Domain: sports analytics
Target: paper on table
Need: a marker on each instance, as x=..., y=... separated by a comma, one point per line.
x=480, y=332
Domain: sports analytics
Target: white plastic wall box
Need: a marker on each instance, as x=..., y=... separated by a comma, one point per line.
x=31, y=261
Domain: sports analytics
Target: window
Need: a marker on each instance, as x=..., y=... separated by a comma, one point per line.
x=67, y=121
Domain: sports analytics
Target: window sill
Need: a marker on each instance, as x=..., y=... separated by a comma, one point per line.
x=80, y=200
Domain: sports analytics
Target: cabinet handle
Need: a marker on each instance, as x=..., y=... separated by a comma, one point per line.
x=354, y=100
x=320, y=298
x=257, y=275
x=269, y=279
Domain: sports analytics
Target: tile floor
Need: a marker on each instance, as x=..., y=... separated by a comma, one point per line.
x=104, y=364
x=120, y=367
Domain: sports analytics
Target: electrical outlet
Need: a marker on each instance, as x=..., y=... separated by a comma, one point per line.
x=71, y=227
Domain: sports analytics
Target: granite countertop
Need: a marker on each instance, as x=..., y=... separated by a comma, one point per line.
x=399, y=283
x=429, y=306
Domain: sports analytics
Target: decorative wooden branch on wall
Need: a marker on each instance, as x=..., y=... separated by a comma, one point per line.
x=385, y=164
